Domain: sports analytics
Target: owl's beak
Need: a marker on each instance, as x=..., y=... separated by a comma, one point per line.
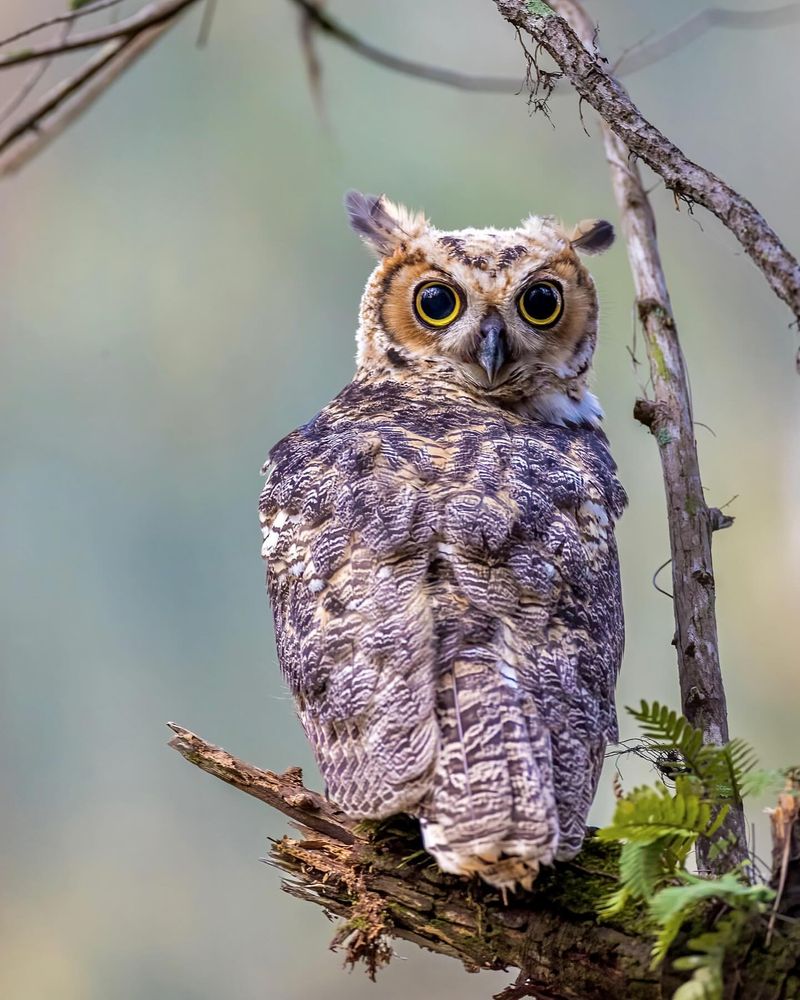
x=493, y=348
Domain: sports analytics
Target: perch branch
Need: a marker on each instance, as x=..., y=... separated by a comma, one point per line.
x=384, y=886
x=588, y=73
x=388, y=881
x=669, y=418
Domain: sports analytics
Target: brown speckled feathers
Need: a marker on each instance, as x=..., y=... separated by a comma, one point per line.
x=447, y=606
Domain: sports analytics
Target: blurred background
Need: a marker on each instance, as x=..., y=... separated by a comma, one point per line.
x=178, y=290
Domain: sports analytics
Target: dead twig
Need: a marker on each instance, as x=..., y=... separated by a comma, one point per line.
x=67, y=18
x=648, y=53
x=149, y=16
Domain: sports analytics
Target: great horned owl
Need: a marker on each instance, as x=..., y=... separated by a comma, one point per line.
x=440, y=550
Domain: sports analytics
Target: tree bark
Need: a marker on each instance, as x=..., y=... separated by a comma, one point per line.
x=377, y=878
x=670, y=419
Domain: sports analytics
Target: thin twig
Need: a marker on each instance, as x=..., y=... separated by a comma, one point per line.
x=649, y=53
x=29, y=85
x=57, y=96
x=148, y=17
x=73, y=15
x=209, y=11
x=30, y=136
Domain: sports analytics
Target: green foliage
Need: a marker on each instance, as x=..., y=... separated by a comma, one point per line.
x=721, y=771
x=671, y=906
x=658, y=827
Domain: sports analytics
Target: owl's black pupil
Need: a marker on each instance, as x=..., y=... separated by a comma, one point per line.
x=437, y=302
x=540, y=301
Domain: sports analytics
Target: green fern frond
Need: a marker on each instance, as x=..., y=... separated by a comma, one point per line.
x=670, y=731
x=658, y=828
x=673, y=905
x=649, y=814
x=614, y=903
x=764, y=782
x=720, y=770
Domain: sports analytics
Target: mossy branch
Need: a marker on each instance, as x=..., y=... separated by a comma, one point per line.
x=376, y=878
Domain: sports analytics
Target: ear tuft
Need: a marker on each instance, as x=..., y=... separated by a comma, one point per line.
x=370, y=220
x=592, y=236
x=379, y=223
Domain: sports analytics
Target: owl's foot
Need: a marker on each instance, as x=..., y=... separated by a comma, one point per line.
x=506, y=870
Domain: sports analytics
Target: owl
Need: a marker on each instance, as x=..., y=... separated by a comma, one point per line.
x=440, y=548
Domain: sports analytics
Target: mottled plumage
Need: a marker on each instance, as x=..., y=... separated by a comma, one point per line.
x=440, y=553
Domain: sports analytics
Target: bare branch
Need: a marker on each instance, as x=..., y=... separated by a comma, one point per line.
x=29, y=85
x=148, y=17
x=379, y=875
x=284, y=792
x=67, y=18
x=155, y=14
x=689, y=181
x=70, y=98
x=649, y=53
x=423, y=71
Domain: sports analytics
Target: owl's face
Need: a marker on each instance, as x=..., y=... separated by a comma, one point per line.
x=508, y=314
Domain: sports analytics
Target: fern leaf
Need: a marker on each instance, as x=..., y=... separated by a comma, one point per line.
x=614, y=903
x=649, y=814
x=763, y=782
x=705, y=984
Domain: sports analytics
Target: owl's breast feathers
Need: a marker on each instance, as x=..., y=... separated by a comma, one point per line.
x=446, y=594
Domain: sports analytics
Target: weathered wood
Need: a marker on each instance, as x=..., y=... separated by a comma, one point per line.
x=383, y=886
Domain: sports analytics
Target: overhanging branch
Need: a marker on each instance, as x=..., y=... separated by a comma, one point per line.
x=588, y=73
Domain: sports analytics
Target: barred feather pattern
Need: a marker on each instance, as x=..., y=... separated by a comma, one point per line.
x=446, y=595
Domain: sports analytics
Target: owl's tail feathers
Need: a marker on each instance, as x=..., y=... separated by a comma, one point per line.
x=492, y=809
x=505, y=868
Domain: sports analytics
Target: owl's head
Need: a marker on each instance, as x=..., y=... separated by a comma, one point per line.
x=506, y=314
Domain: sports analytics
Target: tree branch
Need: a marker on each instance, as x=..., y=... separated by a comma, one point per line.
x=377, y=878
x=149, y=16
x=690, y=182
x=650, y=52
x=161, y=14
x=669, y=417
x=29, y=134
x=67, y=18
x=385, y=886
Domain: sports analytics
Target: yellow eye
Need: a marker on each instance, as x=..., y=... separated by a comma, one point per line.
x=541, y=304
x=437, y=304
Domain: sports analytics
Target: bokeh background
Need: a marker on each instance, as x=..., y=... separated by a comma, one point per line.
x=178, y=289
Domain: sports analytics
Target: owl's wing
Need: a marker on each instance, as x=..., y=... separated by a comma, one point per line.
x=345, y=546
x=569, y=667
